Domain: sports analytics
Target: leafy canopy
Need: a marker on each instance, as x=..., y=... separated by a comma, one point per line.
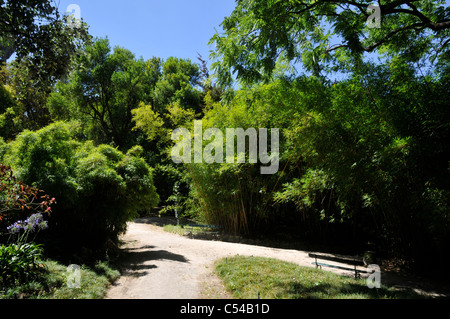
x=323, y=35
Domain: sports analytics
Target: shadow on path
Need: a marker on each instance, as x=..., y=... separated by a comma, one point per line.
x=137, y=261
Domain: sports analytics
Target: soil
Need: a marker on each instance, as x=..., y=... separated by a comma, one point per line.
x=160, y=265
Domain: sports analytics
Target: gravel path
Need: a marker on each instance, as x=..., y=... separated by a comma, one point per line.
x=161, y=265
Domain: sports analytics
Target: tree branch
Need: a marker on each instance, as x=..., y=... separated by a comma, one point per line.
x=382, y=41
x=390, y=35
x=390, y=8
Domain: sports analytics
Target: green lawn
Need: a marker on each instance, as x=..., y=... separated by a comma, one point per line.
x=248, y=277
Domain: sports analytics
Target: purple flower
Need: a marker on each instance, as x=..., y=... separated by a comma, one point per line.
x=15, y=228
x=31, y=224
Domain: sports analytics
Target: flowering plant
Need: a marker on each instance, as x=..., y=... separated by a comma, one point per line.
x=32, y=224
x=16, y=196
x=19, y=261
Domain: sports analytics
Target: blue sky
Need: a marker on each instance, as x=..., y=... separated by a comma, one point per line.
x=160, y=28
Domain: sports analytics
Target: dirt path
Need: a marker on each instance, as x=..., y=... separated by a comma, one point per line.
x=161, y=265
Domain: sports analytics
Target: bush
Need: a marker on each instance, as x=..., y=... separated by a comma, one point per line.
x=166, y=177
x=19, y=263
x=98, y=188
x=235, y=196
x=230, y=195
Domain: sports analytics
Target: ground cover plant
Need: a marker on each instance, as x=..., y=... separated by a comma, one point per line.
x=253, y=277
x=53, y=283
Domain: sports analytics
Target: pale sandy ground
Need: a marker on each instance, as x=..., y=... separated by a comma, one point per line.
x=161, y=265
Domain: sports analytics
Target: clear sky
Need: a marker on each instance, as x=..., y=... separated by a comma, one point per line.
x=160, y=28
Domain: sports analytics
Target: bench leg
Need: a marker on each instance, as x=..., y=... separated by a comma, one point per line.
x=317, y=264
x=357, y=274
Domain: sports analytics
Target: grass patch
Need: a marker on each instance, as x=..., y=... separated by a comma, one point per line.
x=183, y=230
x=94, y=281
x=246, y=277
x=174, y=229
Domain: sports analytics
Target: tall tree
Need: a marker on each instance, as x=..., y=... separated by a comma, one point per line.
x=325, y=33
x=45, y=46
x=21, y=26
x=34, y=29
x=104, y=88
x=178, y=83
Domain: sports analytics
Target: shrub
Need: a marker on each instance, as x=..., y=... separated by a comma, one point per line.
x=19, y=263
x=166, y=177
x=98, y=188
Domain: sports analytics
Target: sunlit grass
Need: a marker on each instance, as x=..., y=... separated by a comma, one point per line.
x=184, y=230
x=250, y=277
x=174, y=229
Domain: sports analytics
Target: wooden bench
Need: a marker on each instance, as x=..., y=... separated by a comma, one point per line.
x=213, y=227
x=350, y=261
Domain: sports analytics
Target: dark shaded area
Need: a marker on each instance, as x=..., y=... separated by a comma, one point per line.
x=299, y=291
x=134, y=261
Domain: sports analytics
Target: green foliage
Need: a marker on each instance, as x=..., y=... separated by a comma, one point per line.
x=6, y=100
x=368, y=150
x=147, y=120
x=34, y=30
x=53, y=283
x=167, y=176
x=19, y=263
x=98, y=188
x=232, y=196
x=45, y=47
x=8, y=105
x=18, y=200
x=353, y=152
x=110, y=87
x=158, y=129
x=177, y=84
x=235, y=196
x=324, y=36
x=105, y=86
